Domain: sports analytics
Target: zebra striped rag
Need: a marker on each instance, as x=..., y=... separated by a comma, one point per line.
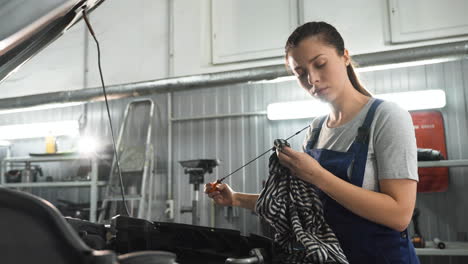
x=294, y=210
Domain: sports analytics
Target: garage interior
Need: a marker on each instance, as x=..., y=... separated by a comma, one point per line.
x=194, y=81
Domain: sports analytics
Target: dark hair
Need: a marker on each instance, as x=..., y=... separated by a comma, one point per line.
x=330, y=36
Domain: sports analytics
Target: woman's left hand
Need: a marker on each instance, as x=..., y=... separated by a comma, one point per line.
x=301, y=164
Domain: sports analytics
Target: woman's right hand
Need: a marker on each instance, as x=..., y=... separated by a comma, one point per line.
x=223, y=195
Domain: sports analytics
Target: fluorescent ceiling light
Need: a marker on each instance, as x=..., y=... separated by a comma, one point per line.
x=35, y=130
x=39, y=107
x=405, y=64
x=414, y=100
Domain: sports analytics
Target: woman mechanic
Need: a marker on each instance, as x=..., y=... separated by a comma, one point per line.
x=370, y=197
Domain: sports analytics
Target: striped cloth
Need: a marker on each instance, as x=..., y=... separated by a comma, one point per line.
x=294, y=210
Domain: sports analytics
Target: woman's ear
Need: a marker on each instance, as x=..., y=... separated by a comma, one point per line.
x=346, y=57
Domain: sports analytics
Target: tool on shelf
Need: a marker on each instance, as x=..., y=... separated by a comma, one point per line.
x=427, y=154
x=439, y=243
x=417, y=239
x=27, y=174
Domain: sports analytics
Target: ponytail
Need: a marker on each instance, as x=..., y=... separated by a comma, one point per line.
x=355, y=81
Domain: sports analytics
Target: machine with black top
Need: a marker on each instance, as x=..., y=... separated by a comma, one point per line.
x=196, y=169
x=189, y=243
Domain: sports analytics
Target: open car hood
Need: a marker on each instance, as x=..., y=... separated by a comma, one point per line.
x=28, y=26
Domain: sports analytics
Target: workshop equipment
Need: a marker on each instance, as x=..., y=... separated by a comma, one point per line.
x=13, y=176
x=27, y=175
x=417, y=238
x=429, y=155
x=438, y=243
x=74, y=209
x=192, y=244
x=94, y=235
x=30, y=173
x=430, y=134
x=196, y=169
x=135, y=151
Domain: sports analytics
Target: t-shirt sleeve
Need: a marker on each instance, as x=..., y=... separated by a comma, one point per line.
x=395, y=143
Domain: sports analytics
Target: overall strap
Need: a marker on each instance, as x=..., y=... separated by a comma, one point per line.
x=316, y=133
x=361, y=146
x=364, y=130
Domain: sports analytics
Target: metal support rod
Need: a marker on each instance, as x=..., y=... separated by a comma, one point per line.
x=169, y=147
x=260, y=113
x=170, y=197
x=93, y=193
x=2, y=172
x=195, y=219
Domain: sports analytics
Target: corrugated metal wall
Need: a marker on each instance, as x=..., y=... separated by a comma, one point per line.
x=236, y=140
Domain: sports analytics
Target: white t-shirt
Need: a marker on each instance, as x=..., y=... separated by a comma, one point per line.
x=392, y=150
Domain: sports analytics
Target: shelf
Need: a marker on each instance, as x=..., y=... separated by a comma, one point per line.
x=93, y=184
x=452, y=249
x=443, y=163
x=54, y=184
x=55, y=158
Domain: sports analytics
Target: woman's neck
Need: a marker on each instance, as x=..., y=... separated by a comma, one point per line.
x=346, y=107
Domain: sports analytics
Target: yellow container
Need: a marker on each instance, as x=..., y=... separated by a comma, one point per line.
x=51, y=144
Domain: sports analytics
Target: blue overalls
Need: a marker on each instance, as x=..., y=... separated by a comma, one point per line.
x=362, y=241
